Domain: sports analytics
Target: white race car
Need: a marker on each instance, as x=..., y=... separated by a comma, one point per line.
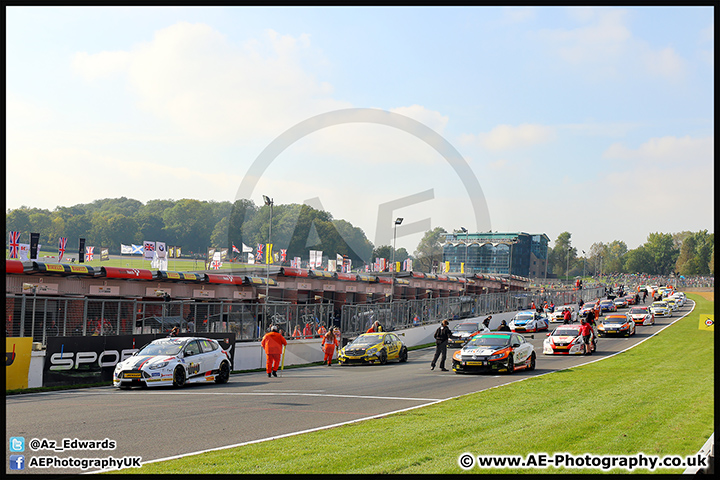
x=679, y=298
x=174, y=361
x=567, y=340
x=642, y=316
x=528, y=321
x=661, y=309
x=558, y=315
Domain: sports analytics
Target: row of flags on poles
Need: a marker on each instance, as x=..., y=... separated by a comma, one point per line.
x=29, y=251
x=159, y=252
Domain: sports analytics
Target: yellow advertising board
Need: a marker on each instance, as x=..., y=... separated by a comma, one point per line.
x=18, y=351
x=707, y=322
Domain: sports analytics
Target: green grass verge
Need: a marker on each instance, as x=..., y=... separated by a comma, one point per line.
x=657, y=398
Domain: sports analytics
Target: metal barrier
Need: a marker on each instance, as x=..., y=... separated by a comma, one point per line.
x=400, y=314
x=40, y=317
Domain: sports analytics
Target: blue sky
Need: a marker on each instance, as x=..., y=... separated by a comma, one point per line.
x=596, y=121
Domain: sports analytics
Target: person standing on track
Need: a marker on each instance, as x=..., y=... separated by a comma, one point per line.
x=329, y=344
x=273, y=344
x=586, y=331
x=442, y=334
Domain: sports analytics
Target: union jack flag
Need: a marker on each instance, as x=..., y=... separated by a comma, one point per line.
x=61, y=247
x=283, y=254
x=14, y=244
x=216, y=264
x=89, y=252
x=235, y=249
x=259, y=250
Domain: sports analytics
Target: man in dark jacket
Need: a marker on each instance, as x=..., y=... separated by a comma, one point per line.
x=442, y=334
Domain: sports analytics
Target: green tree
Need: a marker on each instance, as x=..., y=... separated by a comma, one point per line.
x=189, y=224
x=429, y=250
x=18, y=220
x=150, y=227
x=638, y=260
x=562, y=255
x=662, y=252
x=615, y=253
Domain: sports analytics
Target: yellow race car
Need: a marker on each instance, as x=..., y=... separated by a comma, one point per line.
x=369, y=348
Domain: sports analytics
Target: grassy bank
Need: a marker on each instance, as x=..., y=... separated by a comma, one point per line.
x=657, y=398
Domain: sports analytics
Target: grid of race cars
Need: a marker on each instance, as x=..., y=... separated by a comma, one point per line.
x=179, y=361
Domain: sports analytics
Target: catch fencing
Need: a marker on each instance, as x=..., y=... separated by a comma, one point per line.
x=402, y=314
x=40, y=317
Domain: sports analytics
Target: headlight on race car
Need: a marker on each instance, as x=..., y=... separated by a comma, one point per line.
x=457, y=355
x=499, y=355
x=158, y=366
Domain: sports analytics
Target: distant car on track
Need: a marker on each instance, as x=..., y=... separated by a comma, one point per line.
x=529, y=321
x=607, y=305
x=567, y=340
x=620, y=302
x=495, y=352
x=558, y=315
x=679, y=298
x=616, y=324
x=174, y=361
x=671, y=303
x=661, y=309
x=642, y=316
x=462, y=332
x=590, y=306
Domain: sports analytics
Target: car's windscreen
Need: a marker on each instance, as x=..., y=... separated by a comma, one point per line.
x=365, y=341
x=164, y=348
x=488, y=341
x=566, y=332
x=614, y=320
x=637, y=311
x=523, y=318
x=466, y=327
x=659, y=304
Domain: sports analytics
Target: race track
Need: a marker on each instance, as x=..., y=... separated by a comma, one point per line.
x=166, y=422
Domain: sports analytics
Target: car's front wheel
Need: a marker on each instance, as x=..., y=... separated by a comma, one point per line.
x=224, y=374
x=383, y=357
x=510, y=365
x=403, y=355
x=532, y=362
x=179, y=376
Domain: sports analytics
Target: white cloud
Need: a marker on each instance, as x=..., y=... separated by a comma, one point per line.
x=606, y=47
x=19, y=111
x=100, y=65
x=666, y=150
x=508, y=137
x=194, y=77
x=604, y=38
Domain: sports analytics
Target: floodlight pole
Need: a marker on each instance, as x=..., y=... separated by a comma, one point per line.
x=268, y=202
x=463, y=229
x=398, y=221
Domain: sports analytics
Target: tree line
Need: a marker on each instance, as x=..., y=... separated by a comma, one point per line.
x=196, y=225
x=684, y=253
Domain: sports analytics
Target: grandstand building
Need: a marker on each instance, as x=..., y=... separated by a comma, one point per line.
x=496, y=253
